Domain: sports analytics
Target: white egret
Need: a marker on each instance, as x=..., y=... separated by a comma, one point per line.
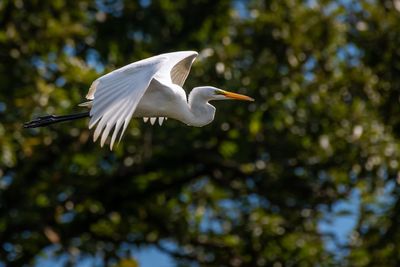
x=149, y=88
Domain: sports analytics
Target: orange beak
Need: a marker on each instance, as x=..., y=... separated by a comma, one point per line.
x=237, y=96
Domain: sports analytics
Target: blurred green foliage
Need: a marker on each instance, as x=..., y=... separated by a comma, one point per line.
x=248, y=190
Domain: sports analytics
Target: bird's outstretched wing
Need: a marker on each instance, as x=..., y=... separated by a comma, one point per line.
x=116, y=95
x=177, y=68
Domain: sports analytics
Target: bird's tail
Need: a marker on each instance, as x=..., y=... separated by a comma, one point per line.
x=50, y=119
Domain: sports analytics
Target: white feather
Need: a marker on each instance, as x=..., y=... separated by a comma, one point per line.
x=177, y=68
x=117, y=94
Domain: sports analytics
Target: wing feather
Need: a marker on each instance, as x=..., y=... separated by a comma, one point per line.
x=177, y=68
x=116, y=95
x=181, y=70
x=108, y=100
x=128, y=116
x=92, y=89
x=110, y=124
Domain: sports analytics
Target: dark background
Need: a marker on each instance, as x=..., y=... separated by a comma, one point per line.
x=250, y=189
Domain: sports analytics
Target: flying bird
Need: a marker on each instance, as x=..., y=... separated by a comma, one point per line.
x=150, y=88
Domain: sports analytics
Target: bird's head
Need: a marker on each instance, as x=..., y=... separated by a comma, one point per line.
x=213, y=93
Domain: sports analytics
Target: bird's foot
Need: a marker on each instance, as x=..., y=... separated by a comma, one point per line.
x=40, y=121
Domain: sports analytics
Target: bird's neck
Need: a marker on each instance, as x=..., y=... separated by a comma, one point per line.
x=200, y=111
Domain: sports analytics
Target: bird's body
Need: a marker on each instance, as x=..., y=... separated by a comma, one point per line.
x=173, y=100
x=150, y=88
x=174, y=105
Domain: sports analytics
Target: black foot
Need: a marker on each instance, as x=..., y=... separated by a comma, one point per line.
x=41, y=121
